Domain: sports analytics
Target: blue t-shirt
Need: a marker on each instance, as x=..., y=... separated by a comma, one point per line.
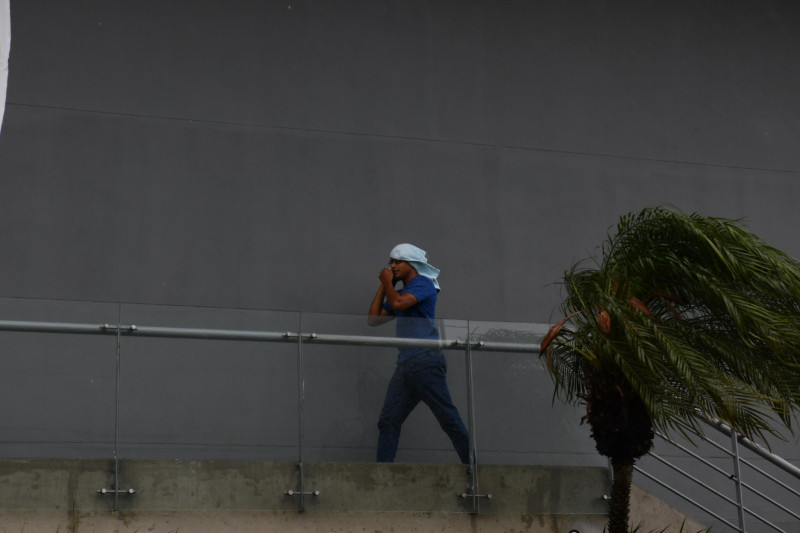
x=418, y=321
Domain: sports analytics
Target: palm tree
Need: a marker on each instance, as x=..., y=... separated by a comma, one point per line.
x=683, y=318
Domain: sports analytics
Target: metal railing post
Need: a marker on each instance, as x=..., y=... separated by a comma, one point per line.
x=106, y=328
x=301, y=481
x=116, y=406
x=474, y=485
x=301, y=415
x=473, y=452
x=738, y=480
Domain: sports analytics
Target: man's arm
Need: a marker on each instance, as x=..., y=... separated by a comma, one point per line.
x=377, y=314
x=396, y=300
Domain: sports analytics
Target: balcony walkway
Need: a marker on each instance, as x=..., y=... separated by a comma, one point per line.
x=129, y=417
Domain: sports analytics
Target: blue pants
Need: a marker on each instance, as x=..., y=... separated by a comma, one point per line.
x=421, y=378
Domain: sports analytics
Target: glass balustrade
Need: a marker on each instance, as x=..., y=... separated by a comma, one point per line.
x=286, y=404
x=57, y=389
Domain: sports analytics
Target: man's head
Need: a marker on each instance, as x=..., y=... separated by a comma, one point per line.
x=417, y=261
x=402, y=270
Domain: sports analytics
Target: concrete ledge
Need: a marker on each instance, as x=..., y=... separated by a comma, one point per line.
x=53, y=483
x=289, y=522
x=60, y=495
x=60, y=484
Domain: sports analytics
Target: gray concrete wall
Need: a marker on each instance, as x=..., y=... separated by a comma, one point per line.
x=269, y=154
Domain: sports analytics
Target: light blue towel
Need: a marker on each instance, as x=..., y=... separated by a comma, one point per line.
x=417, y=258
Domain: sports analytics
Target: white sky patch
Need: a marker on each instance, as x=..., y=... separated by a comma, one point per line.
x=5, y=47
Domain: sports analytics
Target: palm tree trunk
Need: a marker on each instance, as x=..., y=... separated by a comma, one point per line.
x=620, y=507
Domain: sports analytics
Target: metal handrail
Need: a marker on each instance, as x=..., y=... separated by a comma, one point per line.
x=752, y=446
x=264, y=336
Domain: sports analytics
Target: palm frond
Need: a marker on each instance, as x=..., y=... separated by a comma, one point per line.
x=704, y=322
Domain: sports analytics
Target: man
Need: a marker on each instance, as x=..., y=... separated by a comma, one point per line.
x=421, y=373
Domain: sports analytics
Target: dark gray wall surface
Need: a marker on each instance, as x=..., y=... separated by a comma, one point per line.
x=270, y=154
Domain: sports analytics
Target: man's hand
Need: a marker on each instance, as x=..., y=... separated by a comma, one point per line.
x=386, y=276
x=396, y=300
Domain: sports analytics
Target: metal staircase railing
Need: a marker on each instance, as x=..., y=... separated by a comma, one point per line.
x=714, y=482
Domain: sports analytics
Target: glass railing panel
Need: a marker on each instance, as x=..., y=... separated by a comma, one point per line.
x=57, y=388
x=345, y=387
x=213, y=397
x=206, y=383
x=533, y=454
x=517, y=420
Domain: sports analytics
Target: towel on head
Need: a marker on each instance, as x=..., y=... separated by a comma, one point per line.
x=417, y=258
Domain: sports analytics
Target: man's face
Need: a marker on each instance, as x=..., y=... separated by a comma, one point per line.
x=400, y=269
